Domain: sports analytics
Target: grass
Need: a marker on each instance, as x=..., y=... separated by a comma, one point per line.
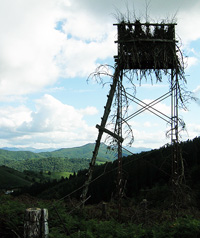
x=99, y=162
x=57, y=175
x=91, y=223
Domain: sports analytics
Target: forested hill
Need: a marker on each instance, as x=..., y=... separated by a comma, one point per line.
x=82, y=152
x=147, y=208
x=17, y=155
x=70, y=160
x=147, y=175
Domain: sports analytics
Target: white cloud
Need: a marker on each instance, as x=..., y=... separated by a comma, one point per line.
x=190, y=61
x=89, y=111
x=28, y=46
x=52, y=123
x=147, y=124
x=197, y=90
x=159, y=107
x=193, y=130
x=188, y=23
x=34, y=54
x=13, y=117
x=144, y=138
x=80, y=57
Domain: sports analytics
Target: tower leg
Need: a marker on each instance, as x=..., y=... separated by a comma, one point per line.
x=177, y=160
x=103, y=124
x=119, y=132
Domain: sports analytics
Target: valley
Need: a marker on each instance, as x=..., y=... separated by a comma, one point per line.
x=147, y=179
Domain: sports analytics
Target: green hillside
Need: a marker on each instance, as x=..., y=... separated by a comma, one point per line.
x=62, y=160
x=146, y=207
x=80, y=152
x=10, y=178
x=17, y=155
x=147, y=176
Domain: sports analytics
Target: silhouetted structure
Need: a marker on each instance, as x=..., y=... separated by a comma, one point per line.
x=145, y=49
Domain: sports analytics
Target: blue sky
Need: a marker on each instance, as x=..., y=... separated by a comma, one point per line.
x=49, y=48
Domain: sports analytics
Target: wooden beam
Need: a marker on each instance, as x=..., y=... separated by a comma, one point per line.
x=120, y=139
x=145, y=24
x=146, y=40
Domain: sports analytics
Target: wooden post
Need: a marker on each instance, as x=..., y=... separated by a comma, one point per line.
x=44, y=223
x=104, y=214
x=36, y=223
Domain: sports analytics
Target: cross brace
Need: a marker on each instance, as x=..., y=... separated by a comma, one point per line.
x=119, y=138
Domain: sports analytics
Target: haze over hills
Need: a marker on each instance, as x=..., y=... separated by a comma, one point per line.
x=137, y=150
x=31, y=149
x=70, y=150
x=81, y=152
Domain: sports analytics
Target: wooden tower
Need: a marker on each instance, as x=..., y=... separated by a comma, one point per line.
x=149, y=48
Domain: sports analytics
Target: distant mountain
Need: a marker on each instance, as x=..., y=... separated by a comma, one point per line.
x=66, y=159
x=74, y=151
x=31, y=149
x=148, y=175
x=137, y=150
x=80, y=152
x=84, y=151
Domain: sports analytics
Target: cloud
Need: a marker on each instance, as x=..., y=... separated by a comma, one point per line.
x=43, y=41
x=81, y=58
x=191, y=61
x=145, y=138
x=157, y=108
x=52, y=123
x=197, y=90
x=28, y=46
x=193, y=130
x=13, y=117
x=35, y=52
x=89, y=111
x=188, y=19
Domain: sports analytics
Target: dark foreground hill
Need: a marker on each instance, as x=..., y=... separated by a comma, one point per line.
x=145, y=176
x=146, y=207
x=10, y=178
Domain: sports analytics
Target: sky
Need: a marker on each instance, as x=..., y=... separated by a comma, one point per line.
x=48, y=49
